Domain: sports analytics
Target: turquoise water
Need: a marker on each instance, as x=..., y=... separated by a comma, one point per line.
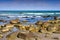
x=32, y=16
x=29, y=13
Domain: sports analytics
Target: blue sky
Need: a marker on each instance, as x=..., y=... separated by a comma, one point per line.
x=29, y=4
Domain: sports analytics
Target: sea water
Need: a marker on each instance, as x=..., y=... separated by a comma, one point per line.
x=32, y=16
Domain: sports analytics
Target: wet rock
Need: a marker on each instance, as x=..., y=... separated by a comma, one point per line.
x=15, y=21
x=3, y=21
x=38, y=23
x=24, y=21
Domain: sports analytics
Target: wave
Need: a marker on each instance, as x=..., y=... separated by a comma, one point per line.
x=26, y=14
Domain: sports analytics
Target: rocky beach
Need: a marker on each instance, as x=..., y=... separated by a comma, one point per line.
x=29, y=27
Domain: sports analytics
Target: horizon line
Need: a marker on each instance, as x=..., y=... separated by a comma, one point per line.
x=29, y=10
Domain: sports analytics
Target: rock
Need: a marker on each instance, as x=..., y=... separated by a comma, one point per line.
x=5, y=30
x=38, y=23
x=1, y=36
x=3, y=21
x=24, y=21
x=9, y=25
x=15, y=21
x=22, y=36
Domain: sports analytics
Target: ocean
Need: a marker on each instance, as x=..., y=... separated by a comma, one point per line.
x=31, y=16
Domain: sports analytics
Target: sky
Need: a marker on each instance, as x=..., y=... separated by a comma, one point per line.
x=29, y=4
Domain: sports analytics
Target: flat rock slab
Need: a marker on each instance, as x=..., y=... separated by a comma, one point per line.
x=40, y=35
